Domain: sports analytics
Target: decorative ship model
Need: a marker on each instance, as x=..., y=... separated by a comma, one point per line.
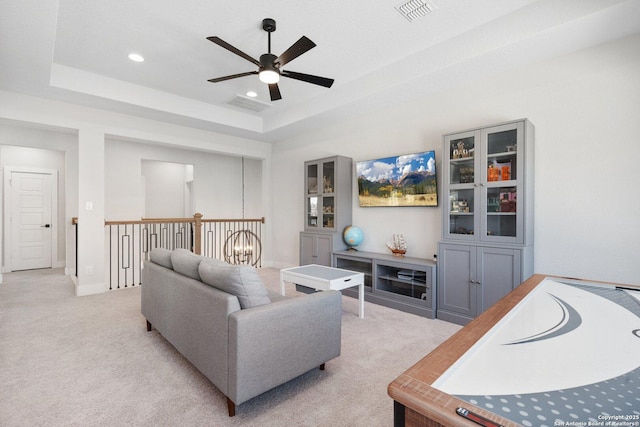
x=398, y=245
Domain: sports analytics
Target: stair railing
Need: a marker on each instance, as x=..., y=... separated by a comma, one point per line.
x=128, y=243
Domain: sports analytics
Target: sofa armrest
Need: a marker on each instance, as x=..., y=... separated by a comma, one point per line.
x=274, y=343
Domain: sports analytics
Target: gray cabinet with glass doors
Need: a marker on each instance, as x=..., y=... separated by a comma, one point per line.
x=487, y=219
x=327, y=208
x=488, y=180
x=327, y=201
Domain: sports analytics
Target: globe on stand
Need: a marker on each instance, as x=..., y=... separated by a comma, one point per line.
x=352, y=236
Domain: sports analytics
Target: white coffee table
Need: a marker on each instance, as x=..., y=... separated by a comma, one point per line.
x=324, y=278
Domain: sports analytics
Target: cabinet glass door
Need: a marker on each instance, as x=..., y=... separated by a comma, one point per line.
x=412, y=284
x=313, y=188
x=312, y=211
x=501, y=211
x=462, y=172
x=328, y=177
x=502, y=156
x=461, y=211
x=321, y=196
x=328, y=198
x=312, y=179
x=359, y=265
x=500, y=191
x=327, y=212
x=462, y=156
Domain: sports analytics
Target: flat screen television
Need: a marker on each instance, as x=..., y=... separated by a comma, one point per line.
x=407, y=180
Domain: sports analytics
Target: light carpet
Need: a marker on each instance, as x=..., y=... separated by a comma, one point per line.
x=89, y=361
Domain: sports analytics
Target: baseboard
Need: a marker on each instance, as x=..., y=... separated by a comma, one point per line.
x=456, y=318
x=90, y=289
x=268, y=264
x=58, y=264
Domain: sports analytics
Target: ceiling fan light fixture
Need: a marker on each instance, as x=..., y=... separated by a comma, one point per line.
x=269, y=64
x=268, y=73
x=269, y=76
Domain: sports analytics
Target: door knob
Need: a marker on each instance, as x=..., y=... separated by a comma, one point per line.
x=46, y=226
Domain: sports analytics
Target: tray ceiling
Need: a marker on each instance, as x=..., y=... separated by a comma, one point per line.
x=76, y=51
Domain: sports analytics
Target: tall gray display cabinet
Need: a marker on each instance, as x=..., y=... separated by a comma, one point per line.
x=487, y=218
x=327, y=208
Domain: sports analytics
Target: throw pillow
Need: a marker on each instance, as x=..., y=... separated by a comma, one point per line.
x=161, y=257
x=242, y=281
x=186, y=263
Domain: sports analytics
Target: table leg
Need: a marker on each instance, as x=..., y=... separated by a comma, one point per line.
x=398, y=414
x=281, y=283
x=361, y=299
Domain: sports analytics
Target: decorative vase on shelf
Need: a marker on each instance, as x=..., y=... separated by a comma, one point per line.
x=353, y=237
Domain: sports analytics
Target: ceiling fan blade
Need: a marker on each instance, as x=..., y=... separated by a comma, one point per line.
x=224, y=44
x=296, y=49
x=316, y=80
x=232, y=76
x=274, y=91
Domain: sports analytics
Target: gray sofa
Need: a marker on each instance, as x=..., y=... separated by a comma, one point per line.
x=244, y=339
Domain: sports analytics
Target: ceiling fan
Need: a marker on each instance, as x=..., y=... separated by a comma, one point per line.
x=269, y=67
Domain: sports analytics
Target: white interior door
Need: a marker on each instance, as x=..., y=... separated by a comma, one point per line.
x=31, y=225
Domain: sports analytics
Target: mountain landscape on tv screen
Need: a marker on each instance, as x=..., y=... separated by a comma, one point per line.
x=398, y=181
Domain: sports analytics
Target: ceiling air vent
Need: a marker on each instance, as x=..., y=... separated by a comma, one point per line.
x=247, y=103
x=414, y=9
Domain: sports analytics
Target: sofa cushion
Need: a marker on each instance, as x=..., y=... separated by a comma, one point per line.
x=242, y=281
x=212, y=261
x=186, y=263
x=161, y=257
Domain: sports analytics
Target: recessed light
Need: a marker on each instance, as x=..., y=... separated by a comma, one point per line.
x=252, y=94
x=136, y=57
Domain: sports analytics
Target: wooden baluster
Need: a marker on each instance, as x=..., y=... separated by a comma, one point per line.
x=197, y=243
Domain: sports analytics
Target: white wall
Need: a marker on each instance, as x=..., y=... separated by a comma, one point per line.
x=91, y=194
x=164, y=189
x=217, y=181
x=586, y=110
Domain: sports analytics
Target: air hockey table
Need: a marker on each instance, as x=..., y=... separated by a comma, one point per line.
x=553, y=352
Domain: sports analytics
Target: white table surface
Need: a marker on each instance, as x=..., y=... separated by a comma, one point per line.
x=324, y=278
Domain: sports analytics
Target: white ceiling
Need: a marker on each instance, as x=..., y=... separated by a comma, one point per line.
x=76, y=51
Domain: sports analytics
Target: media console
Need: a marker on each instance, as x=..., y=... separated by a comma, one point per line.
x=403, y=283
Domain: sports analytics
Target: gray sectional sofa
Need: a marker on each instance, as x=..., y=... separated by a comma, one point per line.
x=245, y=339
